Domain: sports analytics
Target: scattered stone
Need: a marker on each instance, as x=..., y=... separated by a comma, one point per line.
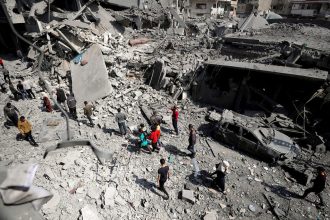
x=188, y=195
x=88, y=213
x=252, y=208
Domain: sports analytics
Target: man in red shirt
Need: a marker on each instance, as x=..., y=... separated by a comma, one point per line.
x=1, y=63
x=154, y=138
x=175, y=117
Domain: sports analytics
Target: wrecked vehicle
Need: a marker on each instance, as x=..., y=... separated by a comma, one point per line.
x=251, y=135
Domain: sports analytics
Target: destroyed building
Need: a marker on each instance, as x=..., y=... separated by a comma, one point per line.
x=256, y=90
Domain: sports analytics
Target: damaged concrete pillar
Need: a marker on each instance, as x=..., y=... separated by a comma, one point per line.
x=158, y=74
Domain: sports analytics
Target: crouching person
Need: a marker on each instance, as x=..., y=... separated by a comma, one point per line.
x=220, y=179
x=143, y=142
x=25, y=129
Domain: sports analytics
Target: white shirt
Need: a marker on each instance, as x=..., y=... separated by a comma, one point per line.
x=26, y=85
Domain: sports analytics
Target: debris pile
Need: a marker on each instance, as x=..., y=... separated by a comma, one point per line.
x=146, y=59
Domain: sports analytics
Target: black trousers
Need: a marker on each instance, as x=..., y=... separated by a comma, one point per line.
x=154, y=146
x=175, y=126
x=14, y=119
x=73, y=112
x=122, y=128
x=90, y=120
x=29, y=138
x=316, y=191
x=220, y=182
x=162, y=187
x=30, y=93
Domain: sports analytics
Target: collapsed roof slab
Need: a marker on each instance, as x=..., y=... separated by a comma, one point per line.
x=310, y=74
x=124, y=3
x=90, y=81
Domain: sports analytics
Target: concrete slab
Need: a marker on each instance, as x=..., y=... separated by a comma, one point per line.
x=310, y=74
x=90, y=82
x=188, y=195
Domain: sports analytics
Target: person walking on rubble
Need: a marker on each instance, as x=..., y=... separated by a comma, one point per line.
x=192, y=141
x=163, y=175
x=221, y=171
x=28, y=89
x=10, y=112
x=175, y=117
x=21, y=89
x=121, y=120
x=72, y=105
x=88, y=111
x=1, y=63
x=318, y=186
x=61, y=98
x=14, y=91
x=47, y=104
x=5, y=73
x=153, y=137
x=155, y=119
x=25, y=128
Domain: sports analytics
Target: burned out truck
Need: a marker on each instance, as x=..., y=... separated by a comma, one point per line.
x=253, y=136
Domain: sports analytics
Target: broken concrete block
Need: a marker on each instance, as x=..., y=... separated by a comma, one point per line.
x=90, y=82
x=188, y=195
x=109, y=196
x=210, y=216
x=214, y=116
x=88, y=212
x=51, y=205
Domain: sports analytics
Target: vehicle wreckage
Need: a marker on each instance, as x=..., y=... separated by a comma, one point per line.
x=253, y=136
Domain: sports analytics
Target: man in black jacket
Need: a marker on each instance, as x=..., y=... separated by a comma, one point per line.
x=318, y=186
x=192, y=141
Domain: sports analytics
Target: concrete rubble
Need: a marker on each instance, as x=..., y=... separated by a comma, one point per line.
x=146, y=56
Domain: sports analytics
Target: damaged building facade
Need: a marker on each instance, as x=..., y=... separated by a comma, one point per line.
x=256, y=90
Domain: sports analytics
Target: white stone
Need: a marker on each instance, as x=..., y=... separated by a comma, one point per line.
x=109, y=196
x=89, y=213
x=188, y=195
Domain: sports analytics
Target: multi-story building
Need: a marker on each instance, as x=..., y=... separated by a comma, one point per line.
x=311, y=8
x=225, y=8
x=207, y=8
x=246, y=7
x=282, y=7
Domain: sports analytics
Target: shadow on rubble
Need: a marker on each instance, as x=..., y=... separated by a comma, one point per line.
x=204, y=178
x=174, y=150
x=206, y=129
x=281, y=191
x=147, y=185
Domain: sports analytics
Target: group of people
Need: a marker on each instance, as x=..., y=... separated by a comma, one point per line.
x=24, y=126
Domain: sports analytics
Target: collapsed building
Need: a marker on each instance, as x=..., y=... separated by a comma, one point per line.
x=146, y=55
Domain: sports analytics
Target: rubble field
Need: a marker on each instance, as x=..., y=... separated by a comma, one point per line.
x=142, y=60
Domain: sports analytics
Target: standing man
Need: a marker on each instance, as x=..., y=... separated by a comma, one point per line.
x=5, y=75
x=192, y=141
x=175, y=117
x=221, y=171
x=21, y=89
x=61, y=98
x=153, y=137
x=47, y=104
x=163, y=175
x=121, y=120
x=27, y=88
x=72, y=105
x=88, y=111
x=155, y=119
x=10, y=112
x=318, y=186
x=25, y=128
x=14, y=91
x=1, y=63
